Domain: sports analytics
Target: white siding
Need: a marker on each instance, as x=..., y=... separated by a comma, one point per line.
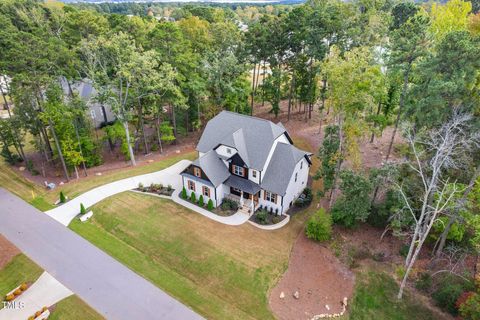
x=282, y=138
x=294, y=189
x=254, y=179
x=267, y=204
x=222, y=150
x=222, y=191
x=198, y=190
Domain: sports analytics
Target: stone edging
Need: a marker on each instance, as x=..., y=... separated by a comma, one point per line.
x=333, y=315
x=272, y=226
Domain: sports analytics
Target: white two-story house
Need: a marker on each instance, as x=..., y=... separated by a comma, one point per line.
x=249, y=159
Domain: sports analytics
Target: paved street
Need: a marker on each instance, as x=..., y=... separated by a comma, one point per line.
x=112, y=289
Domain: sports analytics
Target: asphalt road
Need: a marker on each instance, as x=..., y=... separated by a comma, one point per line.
x=105, y=284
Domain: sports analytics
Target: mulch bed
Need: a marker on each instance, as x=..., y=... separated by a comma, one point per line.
x=224, y=213
x=269, y=216
x=7, y=251
x=318, y=276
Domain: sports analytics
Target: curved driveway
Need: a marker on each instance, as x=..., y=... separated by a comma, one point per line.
x=171, y=175
x=112, y=289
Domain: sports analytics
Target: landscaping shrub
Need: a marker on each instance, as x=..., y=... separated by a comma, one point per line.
x=229, y=204
x=193, y=198
x=82, y=209
x=23, y=286
x=10, y=297
x=184, y=193
x=319, y=226
x=447, y=294
x=210, y=204
x=169, y=187
x=200, y=201
x=63, y=199
x=261, y=217
x=305, y=198
x=276, y=219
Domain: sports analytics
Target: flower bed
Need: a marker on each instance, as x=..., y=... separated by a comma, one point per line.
x=16, y=292
x=156, y=189
x=264, y=217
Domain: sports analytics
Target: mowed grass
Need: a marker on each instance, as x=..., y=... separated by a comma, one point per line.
x=73, y=308
x=220, y=271
x=19, y=270
x=25, y=189
x=43, y=200
x=375, y=297
x=75, y=188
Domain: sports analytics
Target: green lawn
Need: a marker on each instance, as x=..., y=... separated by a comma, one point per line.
x=375, y=297
x=43, y=200
x=73, y=308
x=21, y=269
x=221, y=272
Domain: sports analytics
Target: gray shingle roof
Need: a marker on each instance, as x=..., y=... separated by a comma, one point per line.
x=242, y=184
x=281, y=167
x=252, y=137
x=213, y=167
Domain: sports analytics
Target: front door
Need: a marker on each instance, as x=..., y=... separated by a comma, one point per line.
x=235, y=191
x=246, y=195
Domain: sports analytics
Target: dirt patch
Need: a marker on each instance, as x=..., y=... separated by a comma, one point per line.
x=7, y=251
x=318, y=276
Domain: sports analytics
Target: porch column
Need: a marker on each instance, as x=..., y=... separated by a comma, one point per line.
x=253, y=206
x=241, y=197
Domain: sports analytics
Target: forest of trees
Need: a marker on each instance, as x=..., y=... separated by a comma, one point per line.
x=367, y=64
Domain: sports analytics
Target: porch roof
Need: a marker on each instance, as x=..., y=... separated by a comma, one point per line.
x=242, y=184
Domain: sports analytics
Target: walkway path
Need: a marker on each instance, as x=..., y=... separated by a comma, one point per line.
x=171, y=175
x=109, y=287
x=45, y=292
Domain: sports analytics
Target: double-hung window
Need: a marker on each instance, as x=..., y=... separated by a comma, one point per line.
x=191, y=185
x=269, y=196
x=197, y=172
x=206, y=191
x=238, y=170
x=254, y=173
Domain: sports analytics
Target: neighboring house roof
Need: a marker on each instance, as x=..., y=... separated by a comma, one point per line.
x=83, y=88
x=252, y=137
x=214, y=168
x=281, y=167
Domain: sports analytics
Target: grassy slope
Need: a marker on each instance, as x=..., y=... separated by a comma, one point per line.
x=72, y=308
x=220, y=271
x=21, y=269
x=375, y=298
x=43, y=199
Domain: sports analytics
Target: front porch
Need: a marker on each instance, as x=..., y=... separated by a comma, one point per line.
x=248, y=204
x=245, y=192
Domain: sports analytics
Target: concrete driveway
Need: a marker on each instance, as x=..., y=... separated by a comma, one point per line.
x=109, y=287
x=171, y=175
x=66, y=212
